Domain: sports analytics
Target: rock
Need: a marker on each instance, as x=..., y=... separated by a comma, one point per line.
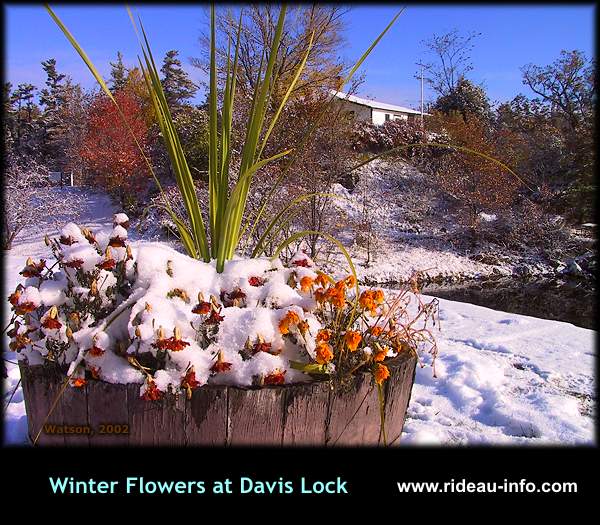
x=574, y=268
x=561, y=268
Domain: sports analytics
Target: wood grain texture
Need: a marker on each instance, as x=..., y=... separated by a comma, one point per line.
x=255, y=416
x=310, y=414
x=305, y=410
x=206, y=417
x=107, y=405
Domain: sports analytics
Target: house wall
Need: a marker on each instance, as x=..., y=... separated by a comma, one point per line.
x=356, y=111
x=367, y=114
x=379, y=116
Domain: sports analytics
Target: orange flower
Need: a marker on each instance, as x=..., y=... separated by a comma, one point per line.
x=301, y=262
x=172, y=343
x=117, y=242
x=376, y=331
x=352, y=340
x=25, y=308
x=263, y=346
x=367, y=301
x=274, y=378
x=324, y=353
x=32, y=269
x=320, y=295
x=20, y=342
x=214, y=318
x=290, y=318
x=303, y=327
x=336, y=295
x=323, y=335
x=78, y=382
x=378, y=296
x=68, y=240
x=381, y=373
x=13, y=298
x=322, y=279
x=380, y=355
x=351, y=281
x=74, y=263
x=220, y=366
x=306, y=283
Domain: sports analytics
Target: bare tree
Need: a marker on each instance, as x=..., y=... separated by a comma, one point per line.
x=323, y=67
x=452, y=52
x=567, y=84
x=30, y=200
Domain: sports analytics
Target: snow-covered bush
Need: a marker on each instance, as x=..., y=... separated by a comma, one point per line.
x=150, y=315
x=30, y=199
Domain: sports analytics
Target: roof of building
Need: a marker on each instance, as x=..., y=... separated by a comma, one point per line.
x=375, y=104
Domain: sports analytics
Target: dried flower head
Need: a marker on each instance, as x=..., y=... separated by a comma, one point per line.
x=220, y=365
x=256, y=281
x=275, y=378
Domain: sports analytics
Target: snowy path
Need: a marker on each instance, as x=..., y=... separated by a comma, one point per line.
x=502, y=378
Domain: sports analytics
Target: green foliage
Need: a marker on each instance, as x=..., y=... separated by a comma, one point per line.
x=467, y=99
x=191, y=123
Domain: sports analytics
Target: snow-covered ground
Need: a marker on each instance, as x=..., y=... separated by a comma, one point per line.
x=504, y=379
x=501, y=378
x=410, y=232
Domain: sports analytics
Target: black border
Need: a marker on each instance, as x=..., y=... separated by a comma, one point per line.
x=371, y=473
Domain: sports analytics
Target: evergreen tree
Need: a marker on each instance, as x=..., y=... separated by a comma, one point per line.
x=53, y=98
x=177, y=85
x=8, y=123
x=118, y=73
x=467, y=99
x=24, y=117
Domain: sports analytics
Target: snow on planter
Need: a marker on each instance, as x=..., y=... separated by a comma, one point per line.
x=153, y=316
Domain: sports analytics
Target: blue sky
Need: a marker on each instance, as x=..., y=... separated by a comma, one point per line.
x=512, y=36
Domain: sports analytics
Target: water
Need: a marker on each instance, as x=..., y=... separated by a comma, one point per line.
x=570, y=301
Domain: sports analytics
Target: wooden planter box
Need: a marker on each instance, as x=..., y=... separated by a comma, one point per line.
x=105, y=414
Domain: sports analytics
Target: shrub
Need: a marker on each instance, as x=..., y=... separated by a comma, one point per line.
x=112, y=156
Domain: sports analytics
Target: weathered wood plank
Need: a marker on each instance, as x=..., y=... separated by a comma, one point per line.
x=305, y=410
x=75, y=417
x=171, y=429
x=397, y=395
x=354, y=415
x=42, y=384
x=255, y=416
x=107, y=405
x=144, y=418
x=206, y=417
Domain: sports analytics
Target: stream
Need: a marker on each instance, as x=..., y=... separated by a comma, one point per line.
x=571, y=301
